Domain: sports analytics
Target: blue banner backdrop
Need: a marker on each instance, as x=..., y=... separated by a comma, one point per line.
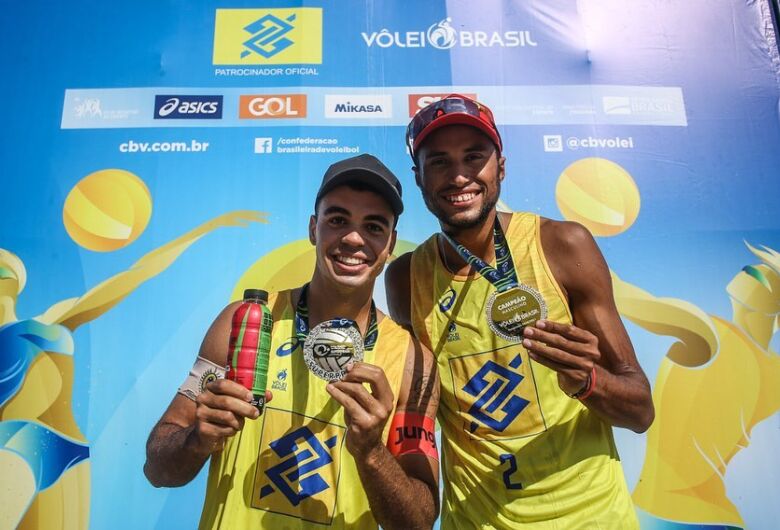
x=140, y=139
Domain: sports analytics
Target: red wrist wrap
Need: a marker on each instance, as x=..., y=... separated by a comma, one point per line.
x=412, y=433
x=587, y=391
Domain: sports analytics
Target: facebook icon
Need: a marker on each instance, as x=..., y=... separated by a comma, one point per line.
x=264, y=145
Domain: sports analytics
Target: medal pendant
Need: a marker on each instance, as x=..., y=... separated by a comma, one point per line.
x=330, y=346
x=510, y=311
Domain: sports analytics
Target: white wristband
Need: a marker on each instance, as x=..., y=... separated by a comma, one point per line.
x=202, y=373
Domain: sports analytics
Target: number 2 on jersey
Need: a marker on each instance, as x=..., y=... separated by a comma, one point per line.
x=511, y=468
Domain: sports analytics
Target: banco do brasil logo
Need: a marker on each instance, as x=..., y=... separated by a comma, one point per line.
x=297, y=472
x=268, y=36
x=300, y=452
x=496, y=404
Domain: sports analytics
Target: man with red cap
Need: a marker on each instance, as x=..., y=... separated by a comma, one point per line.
x=535, y=364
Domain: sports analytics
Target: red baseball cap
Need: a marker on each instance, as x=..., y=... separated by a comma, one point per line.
x=454, y=109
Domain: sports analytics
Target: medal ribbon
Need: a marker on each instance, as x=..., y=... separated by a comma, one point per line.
x=503, y=275
x=302, y=322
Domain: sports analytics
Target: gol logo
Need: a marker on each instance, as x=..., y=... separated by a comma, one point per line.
x=272, y=106
x=420, y=101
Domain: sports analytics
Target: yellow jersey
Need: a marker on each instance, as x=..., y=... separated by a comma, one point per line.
x=515, y=449
x=290, y=469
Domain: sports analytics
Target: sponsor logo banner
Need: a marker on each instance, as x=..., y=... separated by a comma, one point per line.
x=358, y=106
x=335, y=106
x=443, y=36
x=640, y=105
x=270, y=106
x=94, y=109
x=420, y=101
x=187, y=107
x=268, y=36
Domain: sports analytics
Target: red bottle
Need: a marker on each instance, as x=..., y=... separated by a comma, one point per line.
x=250, y=344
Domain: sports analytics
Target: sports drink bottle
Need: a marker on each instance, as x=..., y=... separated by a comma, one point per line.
x=250, y=344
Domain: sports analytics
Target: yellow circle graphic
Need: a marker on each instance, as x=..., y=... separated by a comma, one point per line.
x=599, y=194
x=107, y=210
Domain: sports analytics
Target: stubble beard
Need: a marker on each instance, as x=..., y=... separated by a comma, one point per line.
x=463, y=224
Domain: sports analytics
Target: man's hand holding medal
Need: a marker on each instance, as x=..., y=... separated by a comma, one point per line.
x=571, y=351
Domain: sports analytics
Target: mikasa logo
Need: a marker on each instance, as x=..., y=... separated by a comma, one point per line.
x=358, y=106
x=350, y=107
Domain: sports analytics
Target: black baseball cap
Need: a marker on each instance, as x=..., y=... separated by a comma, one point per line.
x=367, y=170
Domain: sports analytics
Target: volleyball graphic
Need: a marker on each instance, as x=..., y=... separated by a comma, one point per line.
x=107, y=210
x=334, y=350
x=599, y=194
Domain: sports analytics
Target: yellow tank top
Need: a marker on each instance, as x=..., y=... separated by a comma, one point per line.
x=290, y=468
x=515, y=448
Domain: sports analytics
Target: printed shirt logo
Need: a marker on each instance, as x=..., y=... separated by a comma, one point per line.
x=452, y=332
x=298, y=469
x=288, y=347
x=268, y=36
x=306, y=455
x=496, y=394
x=420, y=101
x=445, y=304
x=269, y=106
x=447, y=300
x=493, y=386
x=281, y=381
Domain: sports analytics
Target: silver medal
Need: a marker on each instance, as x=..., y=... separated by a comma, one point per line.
x=330, y=346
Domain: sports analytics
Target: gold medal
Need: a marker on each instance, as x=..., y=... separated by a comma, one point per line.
x=510, y=311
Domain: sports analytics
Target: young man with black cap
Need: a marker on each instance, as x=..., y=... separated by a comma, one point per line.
x=351, y=451
x=536, y=366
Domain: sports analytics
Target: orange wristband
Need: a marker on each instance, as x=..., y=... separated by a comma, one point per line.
x=412, y=433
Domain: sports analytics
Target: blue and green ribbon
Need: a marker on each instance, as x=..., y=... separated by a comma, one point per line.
x=503, y=275
x=302, y=322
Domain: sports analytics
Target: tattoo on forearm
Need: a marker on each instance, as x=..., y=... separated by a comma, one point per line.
x=424, y=389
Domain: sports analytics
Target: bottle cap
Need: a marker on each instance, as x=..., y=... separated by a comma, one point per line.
x=256, y=294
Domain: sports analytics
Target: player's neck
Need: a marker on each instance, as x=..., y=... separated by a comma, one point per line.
x=328, y=300
x=477, y=239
